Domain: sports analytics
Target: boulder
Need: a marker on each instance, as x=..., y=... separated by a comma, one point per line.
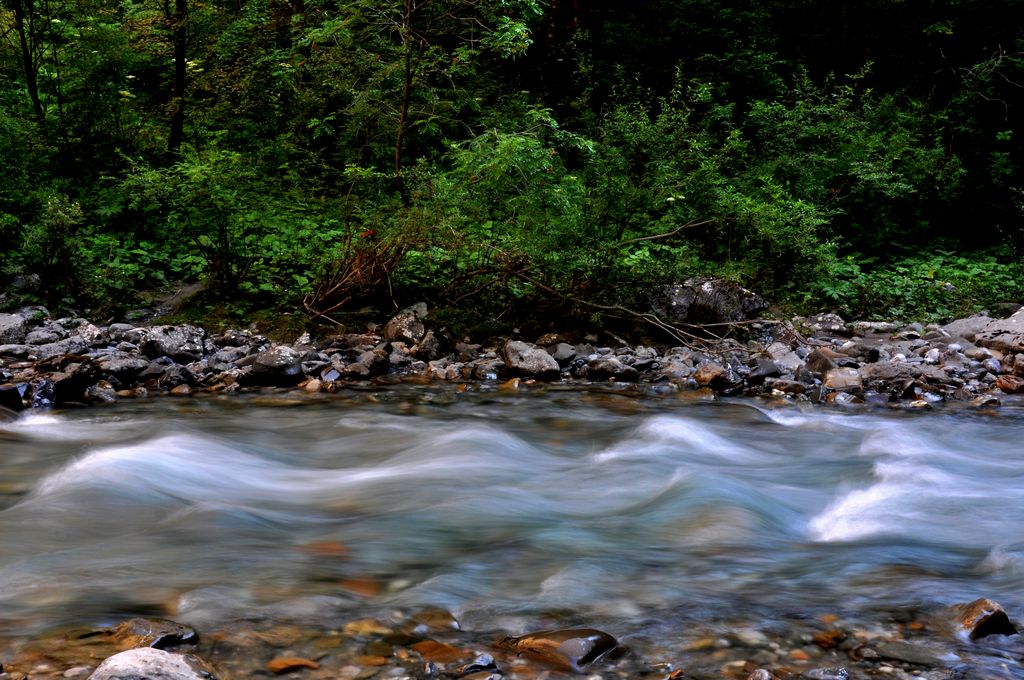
x=611, y=368
x=711, y=374
x=279, y=365
x=529, y=360
x=407, y=326
x=982, y=618
x=75, y=344
x=11, y=397
x=843, y=379
x=822, y=324
x=13, y=329
x=147, y=663
x=184, y=344
x=967, y=328
x=1004, y=335
x=123, y=366
x=707, y=300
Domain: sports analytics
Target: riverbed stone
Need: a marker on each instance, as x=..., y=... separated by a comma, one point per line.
x=407, y=326
x=711, y=374
x=981, y=618
x=707, y=300
x=527, y=359
x=183, y=343
x=572, y=649
x=1005, y=335
x=843, y=379
x=922, y=655
x=146, y=663
x=280, y=365
x=13, y=329
x=611, y=368
x=11, y=397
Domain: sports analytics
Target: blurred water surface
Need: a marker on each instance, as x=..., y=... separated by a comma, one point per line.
x=493, y=504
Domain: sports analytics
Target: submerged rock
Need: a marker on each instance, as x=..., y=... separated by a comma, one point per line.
x=982, y=618
x=570, y=649
x=146, y=663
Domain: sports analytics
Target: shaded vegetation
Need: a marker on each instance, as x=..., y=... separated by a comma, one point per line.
x=324, y=156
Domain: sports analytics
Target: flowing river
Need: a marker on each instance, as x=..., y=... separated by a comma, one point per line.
x=643, y=515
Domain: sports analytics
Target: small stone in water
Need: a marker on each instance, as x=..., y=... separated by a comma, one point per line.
x=570, y=649
x=284, y=664
x=982, y=618
x=825, y=674
x=431, y=650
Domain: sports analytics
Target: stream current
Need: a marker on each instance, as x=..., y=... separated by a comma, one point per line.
x=630, y=513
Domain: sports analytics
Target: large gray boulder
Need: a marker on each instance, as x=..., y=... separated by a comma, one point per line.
x=707, y=300
x=184, y=344
x=280, y=365
x=146, y=663
x=13, y=329
x=407, y=326
x=1005, y=335
x=526, y=359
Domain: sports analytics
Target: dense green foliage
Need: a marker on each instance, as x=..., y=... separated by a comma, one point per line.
x=511, y=155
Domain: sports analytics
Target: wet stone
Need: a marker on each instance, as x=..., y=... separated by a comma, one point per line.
x=152, y=664
x=569, y=649
x=920, y=655
x=982, y=618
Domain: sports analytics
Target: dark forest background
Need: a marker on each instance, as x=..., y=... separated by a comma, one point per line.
x=504, y=158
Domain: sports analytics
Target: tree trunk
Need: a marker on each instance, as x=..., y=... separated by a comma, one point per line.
x=28, y=64
x=179, y=26
x=403, y=111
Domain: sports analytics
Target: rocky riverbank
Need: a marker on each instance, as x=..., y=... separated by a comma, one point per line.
x=47, y=362
x=964, y=641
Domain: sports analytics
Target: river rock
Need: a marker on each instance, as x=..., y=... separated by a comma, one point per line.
x=1010, y=384
x=921, y=655
x=123, y=366
x=563, y=353
x=711, y=374
x=75, y=344
x=982, y=618
x=526, y=359
x=822, y=324
x=407, y=326
x=570, y=649
x=707, y=300
x=843, y=379
x=13, y=329
x=11, y=397
x=280, y=365
x=967, y=328
x=784, y=357
x=611, y=368
x=1005, y=335
x=863, y=328
x=184, y=344
x=146, y=663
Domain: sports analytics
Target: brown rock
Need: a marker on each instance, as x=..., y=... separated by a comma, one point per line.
x=1010, y=384
x=710, y=374
x=982, y=618
x=181, y=390
x=823, y=360
x=439, y=652
x=570, y=649
x=285, y=664
x=843, y=379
